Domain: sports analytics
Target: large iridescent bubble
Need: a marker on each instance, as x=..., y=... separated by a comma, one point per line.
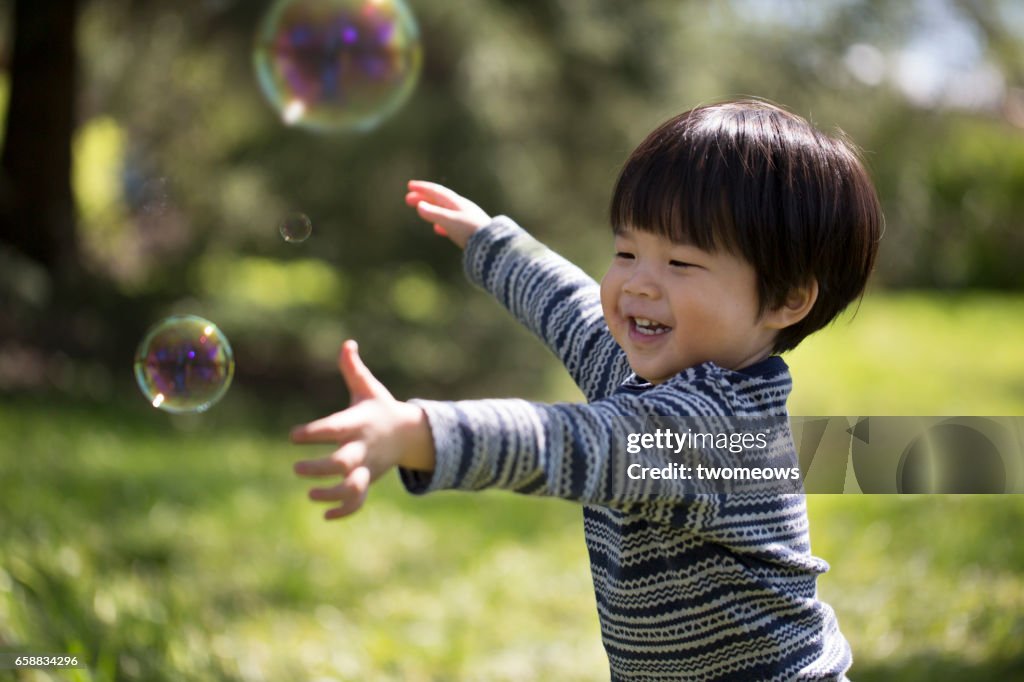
x=337, y=64
x=184, y=364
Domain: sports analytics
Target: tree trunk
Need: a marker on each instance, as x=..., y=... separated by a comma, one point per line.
x=37, y=214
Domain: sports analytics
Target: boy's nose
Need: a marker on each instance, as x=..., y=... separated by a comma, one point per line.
x=641, y=283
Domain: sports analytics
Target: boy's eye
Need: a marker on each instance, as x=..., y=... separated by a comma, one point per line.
x=624, y=254
x=680, y=264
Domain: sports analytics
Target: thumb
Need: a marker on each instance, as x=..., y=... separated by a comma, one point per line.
x=360, y=381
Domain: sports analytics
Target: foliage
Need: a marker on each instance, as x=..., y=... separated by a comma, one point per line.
x=182, y=171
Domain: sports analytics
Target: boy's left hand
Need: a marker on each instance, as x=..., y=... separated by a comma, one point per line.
x=373, y=435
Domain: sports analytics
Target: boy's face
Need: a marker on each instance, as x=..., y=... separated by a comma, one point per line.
x=672, y=306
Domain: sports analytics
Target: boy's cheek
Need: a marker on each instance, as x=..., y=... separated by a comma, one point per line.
x=608, y=300
x=614, y=324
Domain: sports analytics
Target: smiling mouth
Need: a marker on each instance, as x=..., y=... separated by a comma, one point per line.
x=646, y=327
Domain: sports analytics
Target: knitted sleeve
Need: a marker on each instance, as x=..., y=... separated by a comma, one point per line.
x=583, y=453
x=553, y=298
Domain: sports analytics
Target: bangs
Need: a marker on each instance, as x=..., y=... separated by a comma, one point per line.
x=673, y=186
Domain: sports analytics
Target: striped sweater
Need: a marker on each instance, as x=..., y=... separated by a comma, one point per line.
x=688, y=586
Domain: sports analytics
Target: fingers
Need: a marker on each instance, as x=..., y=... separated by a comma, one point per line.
x=415, y=198
x=433, y=213
x=341, y=462
x=453, y=216
x=435, y=194
x=438, y=200
x=340, y=427
x=351, y=461
x=360, y=381
x=350, y=494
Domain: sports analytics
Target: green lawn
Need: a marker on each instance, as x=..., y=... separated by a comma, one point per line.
x=915, y=354
x=185, y=549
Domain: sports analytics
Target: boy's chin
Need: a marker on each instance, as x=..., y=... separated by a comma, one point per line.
x=654, y=374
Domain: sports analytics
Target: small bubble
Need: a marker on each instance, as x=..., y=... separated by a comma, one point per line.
x=155, y=197
x=296, y=227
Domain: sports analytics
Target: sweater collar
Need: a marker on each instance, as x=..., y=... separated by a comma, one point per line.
x=771, y=366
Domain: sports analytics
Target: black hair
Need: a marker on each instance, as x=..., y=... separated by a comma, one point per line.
x=763, y=184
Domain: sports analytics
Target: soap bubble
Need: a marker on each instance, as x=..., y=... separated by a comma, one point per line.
x=296, y=227
x=337, y=64
x=184, y=364
x=155, y=197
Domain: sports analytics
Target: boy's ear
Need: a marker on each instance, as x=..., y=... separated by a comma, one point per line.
x=795, y=308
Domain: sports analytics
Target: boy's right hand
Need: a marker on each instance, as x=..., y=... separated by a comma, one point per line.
x=454, y=216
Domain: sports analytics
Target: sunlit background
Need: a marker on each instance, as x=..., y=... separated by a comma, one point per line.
x=152, y=167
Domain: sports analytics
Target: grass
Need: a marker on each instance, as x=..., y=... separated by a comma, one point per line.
x=185, y=549
x=159, y=554
x=916, y=354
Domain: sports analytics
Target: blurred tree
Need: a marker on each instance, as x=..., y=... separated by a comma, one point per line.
x=182, y=172
x=36, y=205
x=1003, y=44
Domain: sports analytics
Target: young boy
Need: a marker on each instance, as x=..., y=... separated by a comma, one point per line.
x=739, y=229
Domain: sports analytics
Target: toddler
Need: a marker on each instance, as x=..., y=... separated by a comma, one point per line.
x=738, y=229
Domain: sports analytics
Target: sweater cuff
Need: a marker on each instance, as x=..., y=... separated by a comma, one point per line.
x=443, y=419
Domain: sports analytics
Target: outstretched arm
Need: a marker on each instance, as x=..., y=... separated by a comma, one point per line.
x=549, y=295
x=585, y=453
x=552, y=450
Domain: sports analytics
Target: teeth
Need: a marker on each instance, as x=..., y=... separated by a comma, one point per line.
x=649, y=327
